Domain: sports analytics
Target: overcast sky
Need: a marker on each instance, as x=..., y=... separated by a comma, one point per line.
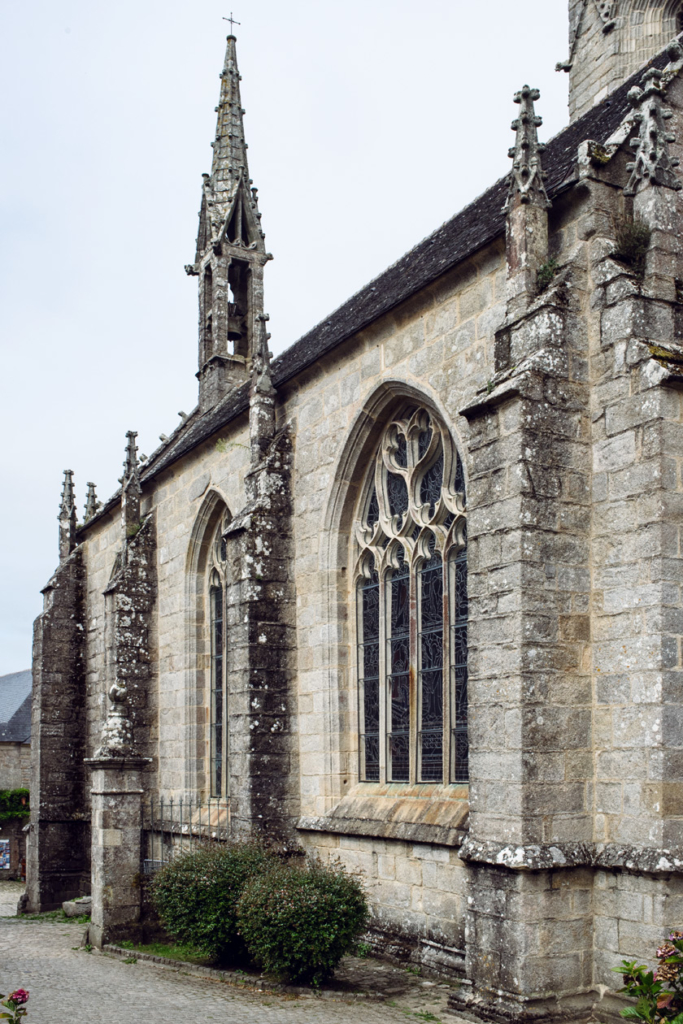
x=369, y=122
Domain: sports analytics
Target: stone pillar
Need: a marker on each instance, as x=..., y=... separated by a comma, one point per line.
x=116, y=847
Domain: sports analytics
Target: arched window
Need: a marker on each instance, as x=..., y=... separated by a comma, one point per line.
x=412, y=607
x=218, y=711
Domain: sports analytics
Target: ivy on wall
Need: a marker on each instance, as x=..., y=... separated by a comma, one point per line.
x=14, y=803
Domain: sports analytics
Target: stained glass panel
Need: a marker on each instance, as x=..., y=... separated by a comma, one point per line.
x=460, y=772
x=373, y=508
x=398, y=495
x=432, y=482
x=424, y=441
x=217, y=690
x=398, y=657
x=411, y=657
x=401, y=454
x=368, y=667
x=430, y=679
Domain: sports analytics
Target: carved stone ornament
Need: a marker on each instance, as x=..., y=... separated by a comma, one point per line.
x=606, y=10
x=414, y=497
x=117, y=732
x=527, y=178
x=260, y=367
x=652, y=164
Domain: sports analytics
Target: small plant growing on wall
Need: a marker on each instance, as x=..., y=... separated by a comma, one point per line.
x=632, y=242
x=546, y=273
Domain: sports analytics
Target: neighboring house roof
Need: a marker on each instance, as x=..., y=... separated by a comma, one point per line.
x=477, y=225
x=15, y=707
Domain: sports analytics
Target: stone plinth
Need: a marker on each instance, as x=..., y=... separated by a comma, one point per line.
x=116, y=846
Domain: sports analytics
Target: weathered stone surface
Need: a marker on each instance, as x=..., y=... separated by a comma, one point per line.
x=562, y=396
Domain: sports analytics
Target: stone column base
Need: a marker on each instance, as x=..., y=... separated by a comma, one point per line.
x=116, y=847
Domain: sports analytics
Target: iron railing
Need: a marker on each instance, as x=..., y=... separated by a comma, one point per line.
x=174, y=826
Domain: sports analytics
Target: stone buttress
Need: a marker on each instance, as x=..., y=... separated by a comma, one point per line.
x=575, y=573
x=260, y=604
x=58, y=846
x=118, y=784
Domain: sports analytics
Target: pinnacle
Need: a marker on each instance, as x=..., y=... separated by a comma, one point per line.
x=92, y=505
x=527, y=178
x=68, y=503
x=130, y=463
x=228, y=191
x=229, y=147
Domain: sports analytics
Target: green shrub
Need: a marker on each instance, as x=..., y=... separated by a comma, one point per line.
x=14, y=803
x=633, y=241
x=196, y=894
x=297, y=923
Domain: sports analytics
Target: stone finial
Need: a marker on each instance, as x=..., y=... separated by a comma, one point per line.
x=131, y=491
x=117, y=732
x=527, y=178
x=67, y=517
x=261, y=375
x=92, y=505
x=653, y=164
x=262, y=395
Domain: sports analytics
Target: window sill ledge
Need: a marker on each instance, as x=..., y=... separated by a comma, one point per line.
x=417, y=814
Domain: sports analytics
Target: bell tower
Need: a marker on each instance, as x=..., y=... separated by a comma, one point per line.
x=609, y=40
x=231, y=252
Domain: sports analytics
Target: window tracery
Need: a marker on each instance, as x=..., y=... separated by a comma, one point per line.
x=412, y=606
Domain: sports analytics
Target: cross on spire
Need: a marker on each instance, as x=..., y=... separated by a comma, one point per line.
x=232, y=22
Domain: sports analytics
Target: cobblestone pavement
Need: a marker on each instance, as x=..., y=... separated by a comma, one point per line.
x=9, y=896
x=69, y=984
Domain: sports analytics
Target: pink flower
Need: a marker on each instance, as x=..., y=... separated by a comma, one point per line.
x=19, y=997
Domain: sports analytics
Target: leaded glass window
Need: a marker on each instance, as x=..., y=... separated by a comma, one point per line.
x=218, y=709
x=412, y=607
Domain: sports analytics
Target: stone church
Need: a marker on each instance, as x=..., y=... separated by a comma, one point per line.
x=409, y=595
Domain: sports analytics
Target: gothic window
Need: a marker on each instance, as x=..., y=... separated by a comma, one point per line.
x=412, y=607
x=218, y=711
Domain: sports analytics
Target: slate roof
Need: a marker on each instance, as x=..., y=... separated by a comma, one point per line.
x=474, y=227
x=15, y=707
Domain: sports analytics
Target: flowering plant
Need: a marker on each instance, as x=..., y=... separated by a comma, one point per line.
x=659, y=993
x=14, y=1002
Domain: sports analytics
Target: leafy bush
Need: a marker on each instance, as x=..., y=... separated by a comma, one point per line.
x=196, y=894
x=633, y=241
x=297, y=923
x=14, y=804
x=659, y=993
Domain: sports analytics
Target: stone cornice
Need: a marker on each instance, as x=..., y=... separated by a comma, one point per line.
x=542, y=856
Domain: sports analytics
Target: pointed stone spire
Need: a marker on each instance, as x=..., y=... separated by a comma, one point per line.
x=67, y=517
x=653, y=164
x=230, y=253
x=527, y=179
x=131, y=490
x=92, y=505
x=261, y=396
x=526, y=231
